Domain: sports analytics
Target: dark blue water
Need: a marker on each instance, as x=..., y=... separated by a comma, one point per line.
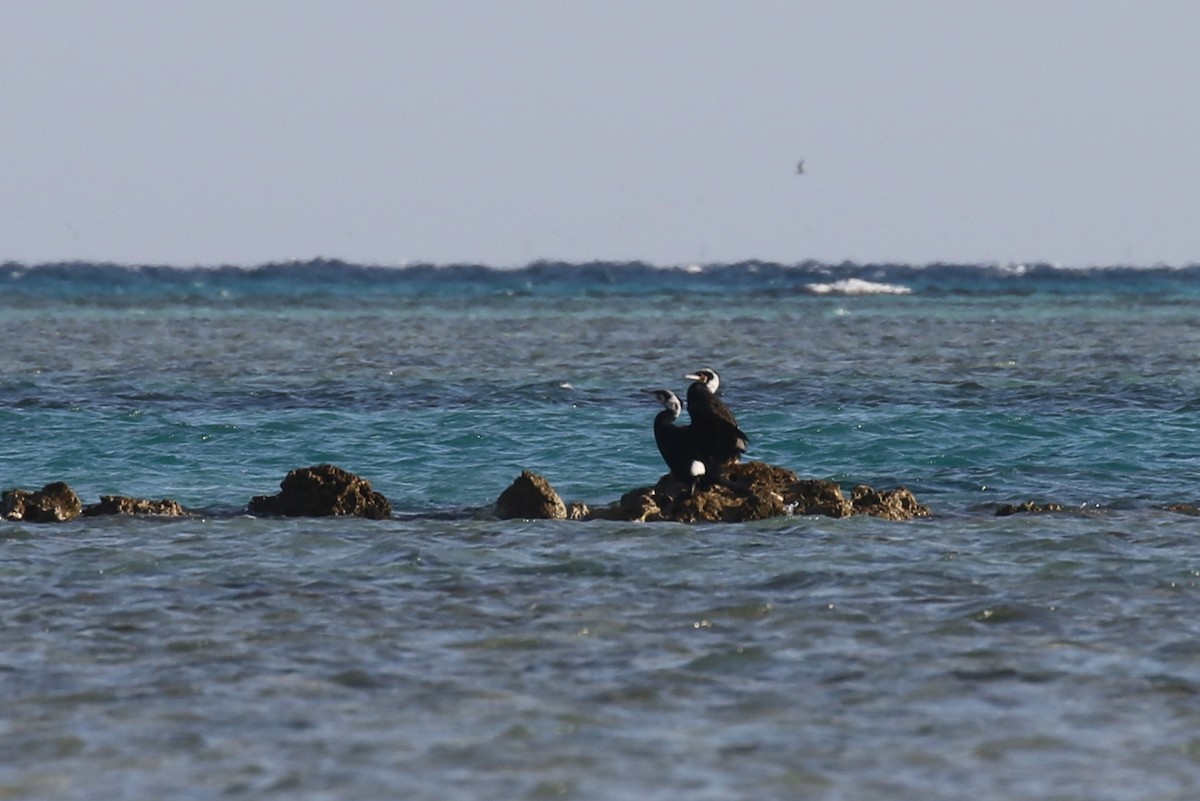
x=437, y=655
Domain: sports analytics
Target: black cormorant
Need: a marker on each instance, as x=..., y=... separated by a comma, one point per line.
x=675, y=442
x=714, y=429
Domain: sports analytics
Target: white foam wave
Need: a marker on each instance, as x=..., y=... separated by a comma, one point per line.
x=857, y=286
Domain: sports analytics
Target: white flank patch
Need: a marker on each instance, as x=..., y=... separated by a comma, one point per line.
x=697, y=467
x=857, y=286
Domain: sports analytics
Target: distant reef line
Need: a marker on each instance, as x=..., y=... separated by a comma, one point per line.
x=605, y=268
x=753, y=491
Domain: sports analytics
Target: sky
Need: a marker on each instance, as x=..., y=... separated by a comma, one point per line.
x=390, y=132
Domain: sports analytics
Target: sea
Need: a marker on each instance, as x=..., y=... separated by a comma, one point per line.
x=442, y=654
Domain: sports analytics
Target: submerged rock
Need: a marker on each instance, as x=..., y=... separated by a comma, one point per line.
x=750, y=491
x=122, y=505
x=53, y=503
x=323, y=491
x=636, y=506
x=897, y=504
x=1028, y=507
x=531, y=497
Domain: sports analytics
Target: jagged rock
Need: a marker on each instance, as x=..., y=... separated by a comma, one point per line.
x=750, y=491
x=1184, y=509
x=53, y=503
x=1028, y=507
x=122, y=505
x=323, y=491
x=530, y=497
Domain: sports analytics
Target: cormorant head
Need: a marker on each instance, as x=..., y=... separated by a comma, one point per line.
x=668, y=399
x=708, y=378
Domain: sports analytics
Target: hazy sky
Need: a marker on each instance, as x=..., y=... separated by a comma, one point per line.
x=386, y=132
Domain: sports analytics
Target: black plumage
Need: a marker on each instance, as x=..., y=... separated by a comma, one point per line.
x=715, y=432
x=676, y=442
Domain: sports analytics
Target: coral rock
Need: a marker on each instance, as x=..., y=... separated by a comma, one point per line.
x=897, y=504
x=530, y=497
x=53, y=503
x=756, y=491
x=812, y=496
x=323, y=491
x=1028, y=507
x=122, y=505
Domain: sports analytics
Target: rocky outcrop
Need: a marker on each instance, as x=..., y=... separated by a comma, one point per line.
x=53, y=503
x=323, y=491
x=58, y=503
x=122, y=505
x=750, y=491
x=531, y=497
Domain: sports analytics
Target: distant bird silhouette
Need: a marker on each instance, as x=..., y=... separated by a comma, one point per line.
x=714, y=429
x=800, y=168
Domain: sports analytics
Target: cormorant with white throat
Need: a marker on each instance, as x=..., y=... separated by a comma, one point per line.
x=675, y=442
x=718, y=439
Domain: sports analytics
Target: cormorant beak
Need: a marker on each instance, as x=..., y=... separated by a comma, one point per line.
x=693, y=378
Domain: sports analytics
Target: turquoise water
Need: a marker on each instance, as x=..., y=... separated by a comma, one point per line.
x=436, y=655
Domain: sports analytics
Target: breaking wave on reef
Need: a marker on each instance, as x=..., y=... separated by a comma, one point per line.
x=857, y=286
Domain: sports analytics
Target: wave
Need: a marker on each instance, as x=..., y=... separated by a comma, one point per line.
x=857, y=286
